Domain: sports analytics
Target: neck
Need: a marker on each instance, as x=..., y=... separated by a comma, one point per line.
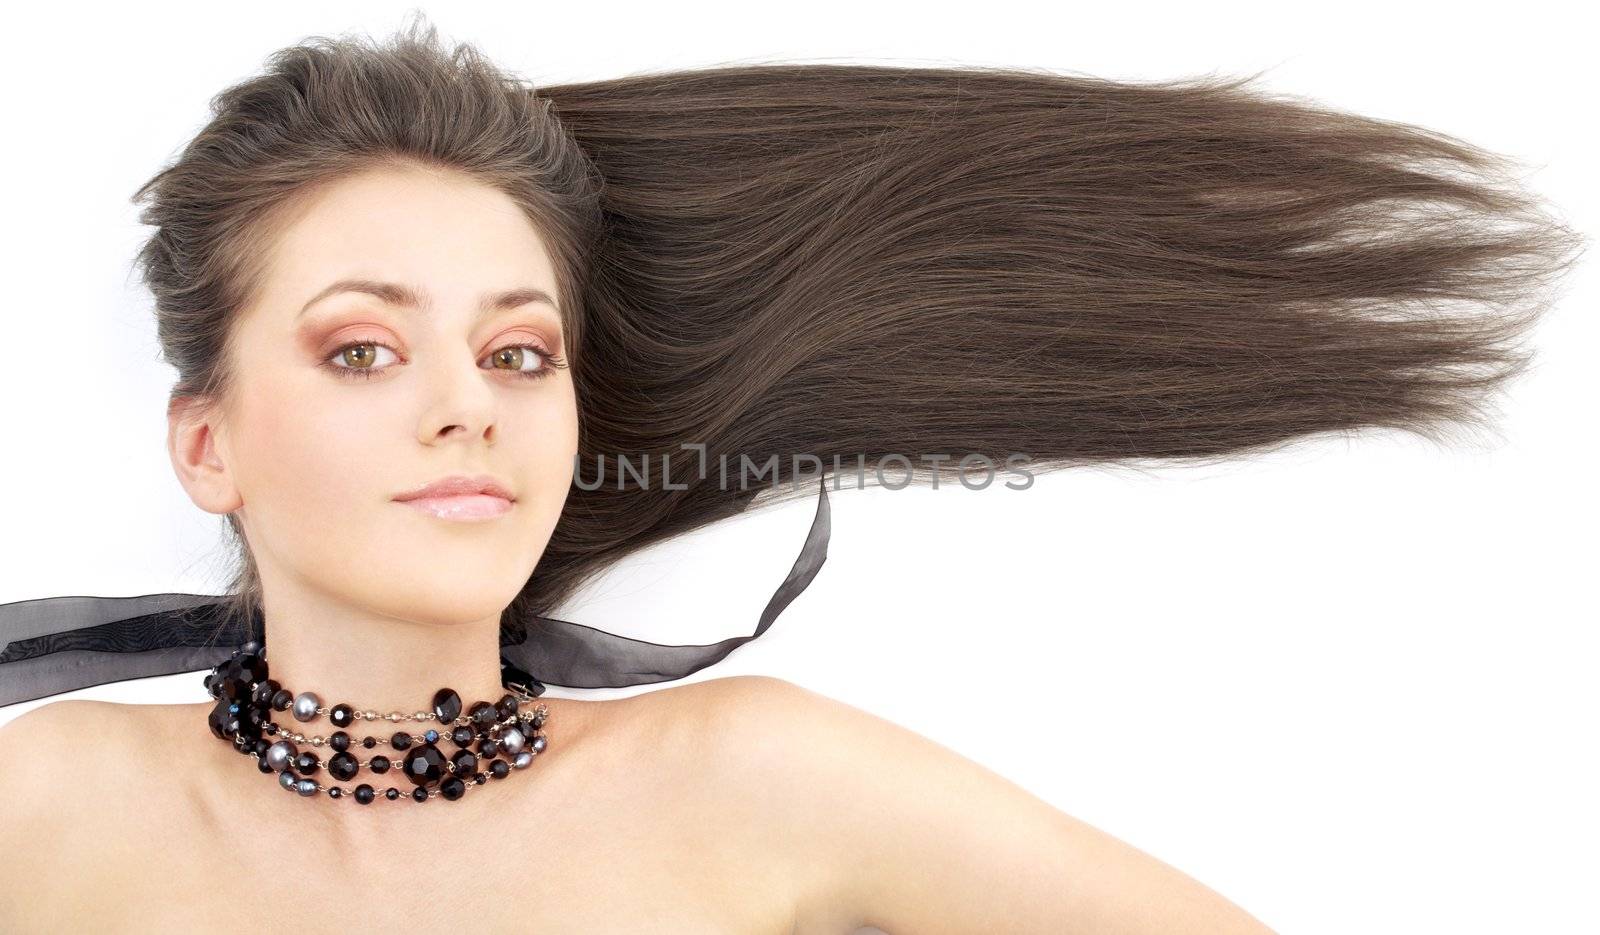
x=382, y=664
x=386, y=666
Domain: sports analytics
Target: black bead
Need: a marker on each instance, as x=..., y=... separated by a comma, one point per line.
x=464, y=762
x=506, y=706
x=306, y=763
x=400, y=740
x=424, y=765
x=364, y=794
x=233, y=689
x=251, y=646
x=480, y=777
x=379, y=764
x=281, y=701
x=339, y=741
x=343, y=766
x=538, y=721
x=250, y=722
x=369, y=741
x=260, y=746
x=500, y=769
x=452, y=788
x=254, y=667
x=391, y=793
x=341, y=715
x=463, y=735
x=488, y=748
x=482, y=714
x=222, y=721
x=334, y=792
x=446, y=705
x=263, y=765
x=420, y=793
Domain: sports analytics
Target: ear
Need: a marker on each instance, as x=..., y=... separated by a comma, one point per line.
x=197, y=451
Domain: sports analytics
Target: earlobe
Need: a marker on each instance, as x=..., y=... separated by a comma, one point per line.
x=192, y=444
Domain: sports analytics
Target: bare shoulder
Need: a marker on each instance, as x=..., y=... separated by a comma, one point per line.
x=47, y=752
x=113, y=727
x=882, y=826
x=738, y=722
x=749, y=747
x=40, y=723
x=54, y=757
x=40, y=734
x=49, y=759
x=37, y=722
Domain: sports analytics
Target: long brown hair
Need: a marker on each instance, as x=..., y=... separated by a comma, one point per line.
x=861, y=262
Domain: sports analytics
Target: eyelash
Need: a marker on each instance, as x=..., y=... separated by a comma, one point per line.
x=552, y=362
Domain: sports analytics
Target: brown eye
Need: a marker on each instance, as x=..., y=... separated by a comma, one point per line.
x=514, y=357
x=358, y=359
x=359, y=355
x=511, y=356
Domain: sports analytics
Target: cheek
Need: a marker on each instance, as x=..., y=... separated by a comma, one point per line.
x=306, y=464
x=541, y=443
x=560, y=432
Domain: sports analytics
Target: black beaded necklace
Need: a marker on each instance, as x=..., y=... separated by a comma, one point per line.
x=246, y=698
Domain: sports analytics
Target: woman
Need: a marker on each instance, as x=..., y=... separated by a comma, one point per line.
x=839, y=262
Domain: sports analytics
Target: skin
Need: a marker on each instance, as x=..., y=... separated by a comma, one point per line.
x=372, y=602
x=743, y=804
x=309, y=458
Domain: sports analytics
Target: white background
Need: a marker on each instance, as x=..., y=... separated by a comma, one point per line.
x=1350, y=686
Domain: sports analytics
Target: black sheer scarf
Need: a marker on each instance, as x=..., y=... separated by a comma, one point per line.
x=60, y=644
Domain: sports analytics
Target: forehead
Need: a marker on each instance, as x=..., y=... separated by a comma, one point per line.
x=443, y=230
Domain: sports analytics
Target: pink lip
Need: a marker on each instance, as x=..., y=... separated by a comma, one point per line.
x=460, y=485
x=461, y=497
x=470, y=508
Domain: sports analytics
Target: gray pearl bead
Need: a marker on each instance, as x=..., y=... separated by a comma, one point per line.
x=286, y=779
x=511, y=740
x=281, y=754
x=305, y=706
x=521, y=760
x=306, y=786
x=538, y=745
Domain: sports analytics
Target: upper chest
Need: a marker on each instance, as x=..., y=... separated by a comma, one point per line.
x=616, y=876
x=624, y=835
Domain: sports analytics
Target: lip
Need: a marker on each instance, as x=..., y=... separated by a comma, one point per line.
x=466, y=508
x=459, y=485
x=460, y=497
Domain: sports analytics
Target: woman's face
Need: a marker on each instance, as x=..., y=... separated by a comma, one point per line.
x=345, y=399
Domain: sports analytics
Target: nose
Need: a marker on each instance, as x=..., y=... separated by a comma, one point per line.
x=460, y=400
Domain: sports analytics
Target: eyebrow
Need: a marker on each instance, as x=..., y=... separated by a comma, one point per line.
x=399, y=294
